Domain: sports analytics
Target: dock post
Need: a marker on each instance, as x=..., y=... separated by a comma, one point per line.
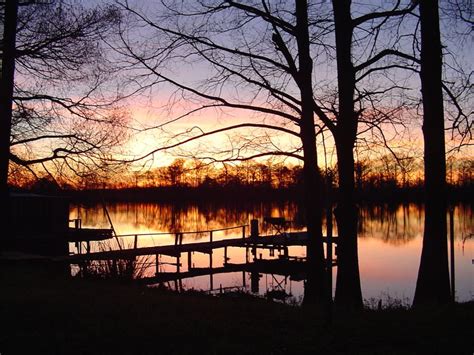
x=254, y=228
x=88, y=247
x=243, y=232
x=190, y=265
x=157, y=267
x=254, y=236
x=178, y=264
x=135, y=242
x=210, y=237
x=225, y=255
x=451, y=242
x=211, y=276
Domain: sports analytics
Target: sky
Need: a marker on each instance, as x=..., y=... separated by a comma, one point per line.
x=159, y=103
x=185, y=68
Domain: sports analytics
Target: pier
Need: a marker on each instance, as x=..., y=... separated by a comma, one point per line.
x=280, y=241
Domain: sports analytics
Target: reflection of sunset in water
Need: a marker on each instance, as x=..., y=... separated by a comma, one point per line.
x=390, y=240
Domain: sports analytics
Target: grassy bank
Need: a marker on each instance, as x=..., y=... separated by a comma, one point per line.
x=43, y=313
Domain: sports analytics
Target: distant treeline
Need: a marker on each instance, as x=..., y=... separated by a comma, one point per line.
x=232, y=193
x=381, y=180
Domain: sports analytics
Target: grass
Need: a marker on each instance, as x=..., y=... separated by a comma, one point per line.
x=41, y=312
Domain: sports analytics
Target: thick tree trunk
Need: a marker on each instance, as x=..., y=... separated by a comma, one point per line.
x=433, y=278
x=6, y=98
x=348, y=290
x=315, y=290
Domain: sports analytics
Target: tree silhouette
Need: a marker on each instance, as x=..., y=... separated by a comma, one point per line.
x=433, y=278
x=6, y=95
x=66, y=116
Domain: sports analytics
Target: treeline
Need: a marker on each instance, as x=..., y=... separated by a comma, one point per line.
x=385, y=179
x=383, y=173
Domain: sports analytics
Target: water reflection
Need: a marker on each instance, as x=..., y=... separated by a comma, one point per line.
x=389, y=243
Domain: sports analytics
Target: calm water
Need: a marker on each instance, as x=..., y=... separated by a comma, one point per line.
x=390, y=240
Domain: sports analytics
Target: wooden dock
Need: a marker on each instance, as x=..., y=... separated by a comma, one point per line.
x=284, y=265
x=261, y=242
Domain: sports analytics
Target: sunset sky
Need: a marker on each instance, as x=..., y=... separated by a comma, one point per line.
x=153, y=108
x=161, y=116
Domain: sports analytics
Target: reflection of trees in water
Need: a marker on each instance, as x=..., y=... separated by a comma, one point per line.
x=394, y=224
x=464, y=221
x=184, y=217
x=398, y=224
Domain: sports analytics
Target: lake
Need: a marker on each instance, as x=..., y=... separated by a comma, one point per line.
x=390, y=240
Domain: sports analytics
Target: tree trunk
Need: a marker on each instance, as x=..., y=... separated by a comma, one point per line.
x=6, y=98
x=315, y=290
x=432, y=285
x=348, y=290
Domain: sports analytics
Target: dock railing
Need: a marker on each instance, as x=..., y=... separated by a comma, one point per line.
x=179, y=236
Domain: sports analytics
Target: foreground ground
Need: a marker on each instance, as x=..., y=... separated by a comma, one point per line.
x=43, y=313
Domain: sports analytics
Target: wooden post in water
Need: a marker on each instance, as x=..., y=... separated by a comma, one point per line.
x=225, y=255
x=254, y=228
x=254, y=236
x=210, y=237
x=243, y=232
x=178, y=263
x=190, y=265
x=451, y=237
x=135, y=242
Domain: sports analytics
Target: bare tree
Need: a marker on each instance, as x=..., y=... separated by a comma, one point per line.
x=66, y=115
x=6, y=93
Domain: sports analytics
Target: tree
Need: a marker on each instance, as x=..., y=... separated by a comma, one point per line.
x=66, y=118
x=433, y=278
x=354, y=96
x=6, y=93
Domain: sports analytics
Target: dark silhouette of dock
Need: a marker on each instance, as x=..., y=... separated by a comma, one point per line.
x=260, y=242
x=292, y=267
